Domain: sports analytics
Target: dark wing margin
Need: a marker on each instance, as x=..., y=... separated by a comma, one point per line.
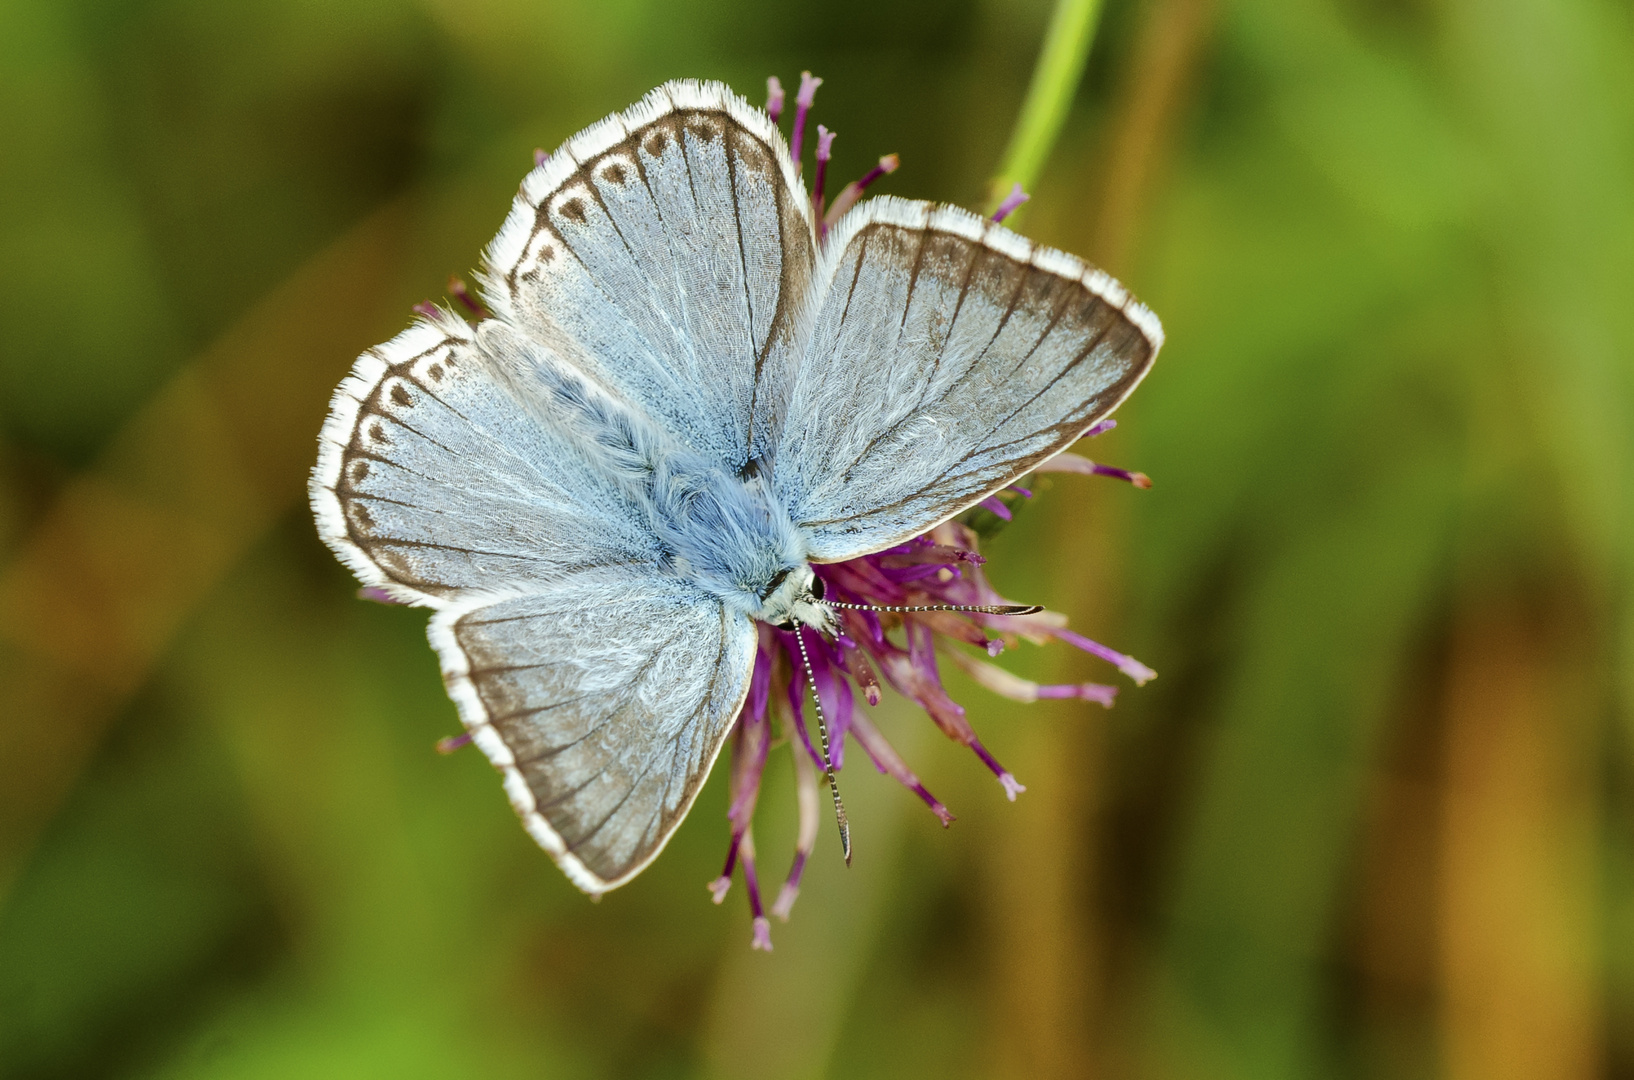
x=603, y=704
x=664, y=251
x=947, y=358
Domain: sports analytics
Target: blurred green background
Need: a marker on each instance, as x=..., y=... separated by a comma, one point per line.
x=1376, y=818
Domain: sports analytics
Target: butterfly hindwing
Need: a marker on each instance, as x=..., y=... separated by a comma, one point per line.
x=947, y=358
x=664, y=252
x=604, y=703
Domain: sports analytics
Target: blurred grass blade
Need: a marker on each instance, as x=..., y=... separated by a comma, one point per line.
x=130, y=548
x=1049, y=96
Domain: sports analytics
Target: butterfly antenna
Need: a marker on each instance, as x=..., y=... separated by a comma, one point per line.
x=980, y=609
x=828, y=760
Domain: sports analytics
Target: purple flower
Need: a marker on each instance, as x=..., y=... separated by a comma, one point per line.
x=902, y=650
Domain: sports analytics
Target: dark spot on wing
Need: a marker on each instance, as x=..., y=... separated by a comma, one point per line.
x=378, y=433
x=547, y=253
x=656, y=143
x=394, y=564
x=361, y=516
x=704, y=130
x=401, y=396
x=752, y=155
x=573, y=210
x=435, y=371
x=615, y=172
x=360, y=471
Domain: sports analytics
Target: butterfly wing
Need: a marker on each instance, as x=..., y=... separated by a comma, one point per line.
x=435, y=477
x=601, y=687
x=664, y=252
x=948, y=357
x=604, y=703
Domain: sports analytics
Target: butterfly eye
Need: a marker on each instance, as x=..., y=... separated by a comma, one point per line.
x=818, y=588
x=787, y=626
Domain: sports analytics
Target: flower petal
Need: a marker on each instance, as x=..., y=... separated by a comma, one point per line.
x=1126, y=664
x=888, y=761
x=805, y=791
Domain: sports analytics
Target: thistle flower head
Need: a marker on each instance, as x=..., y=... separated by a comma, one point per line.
x=902, y=650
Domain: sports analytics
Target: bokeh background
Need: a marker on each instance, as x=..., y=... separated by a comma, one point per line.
x=1375, y=818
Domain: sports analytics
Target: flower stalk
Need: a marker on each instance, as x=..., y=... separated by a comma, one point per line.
x=1049, y=96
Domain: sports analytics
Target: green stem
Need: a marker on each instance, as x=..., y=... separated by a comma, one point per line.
x=1049, y=97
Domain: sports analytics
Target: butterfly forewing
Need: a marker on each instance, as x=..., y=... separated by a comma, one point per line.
x=434, y=478
x=664, y=252
x=604, y=703
x=947, y=358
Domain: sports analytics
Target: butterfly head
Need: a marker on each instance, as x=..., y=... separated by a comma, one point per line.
x=796, y=599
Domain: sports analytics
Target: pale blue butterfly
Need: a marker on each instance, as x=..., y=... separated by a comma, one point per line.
x=681, y=401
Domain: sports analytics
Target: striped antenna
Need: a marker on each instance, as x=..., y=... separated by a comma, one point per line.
x=828, y=759
x=980, y=609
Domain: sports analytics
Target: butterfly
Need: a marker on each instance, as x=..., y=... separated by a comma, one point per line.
x=681, y=401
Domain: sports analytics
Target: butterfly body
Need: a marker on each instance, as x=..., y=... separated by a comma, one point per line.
x=724, y=532
x=682, y=401
x=730, y=536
